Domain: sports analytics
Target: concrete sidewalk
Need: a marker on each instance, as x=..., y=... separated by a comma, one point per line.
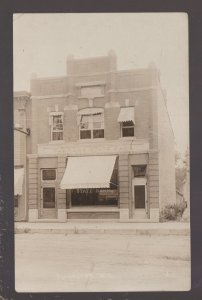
x=167, y=228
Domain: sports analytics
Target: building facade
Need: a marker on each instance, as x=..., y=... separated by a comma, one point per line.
x=101, y=144
x=21, y=119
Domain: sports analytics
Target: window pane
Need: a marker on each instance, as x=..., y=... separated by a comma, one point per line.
x=139, y=170
x=98, y=133
x=139, y=196
x=48, y=197
x=97, y=125
x=57, y=123
x=97, y=117
x=49, y=174
x=57, y=136
x=85, y=134
x=128, y=131
x=91, y=197
x=84, y=126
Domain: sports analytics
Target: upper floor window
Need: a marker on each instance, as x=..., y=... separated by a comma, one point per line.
x=91, y=123
x=127, y=128
x=127, y=120
x=56, y=122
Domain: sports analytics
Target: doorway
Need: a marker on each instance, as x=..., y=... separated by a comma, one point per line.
x=139, y=196
x=48, y=199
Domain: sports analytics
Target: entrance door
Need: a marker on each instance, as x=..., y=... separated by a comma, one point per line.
x=48, y=203
x=139, y=186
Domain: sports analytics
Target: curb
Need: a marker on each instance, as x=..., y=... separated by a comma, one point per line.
x=76, y=230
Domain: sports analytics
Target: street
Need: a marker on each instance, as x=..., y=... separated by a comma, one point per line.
x=101, y=262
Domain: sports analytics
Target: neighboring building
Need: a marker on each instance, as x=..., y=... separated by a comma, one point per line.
x=21, y=147
x=102, y=145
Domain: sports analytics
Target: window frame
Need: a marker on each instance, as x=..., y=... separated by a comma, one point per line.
x=48, y=169
x=127, y=127
x=52, y=115
x=91, y=124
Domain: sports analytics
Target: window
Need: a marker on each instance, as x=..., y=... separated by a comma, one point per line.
x=56, y=122
x=49, y=174
x=48, y=197
x=139, y=170
x=92, y=126
x=96, y=196
x=127, y=128
x=139, y=191
x=16, y=198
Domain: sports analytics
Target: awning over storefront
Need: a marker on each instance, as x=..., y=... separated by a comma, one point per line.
x=126, y=114
x=88, y=172
x=18, y=181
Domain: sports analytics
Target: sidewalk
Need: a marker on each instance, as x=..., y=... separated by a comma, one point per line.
x=167, y=228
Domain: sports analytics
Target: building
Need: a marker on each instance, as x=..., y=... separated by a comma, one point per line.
x=21, y=148
x=101, y=144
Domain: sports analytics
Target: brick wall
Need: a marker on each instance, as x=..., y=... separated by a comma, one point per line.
x=33, y=181
x=123, y=181
x=61, y=201
x=153, y=183
x=167, y=187
x=135, y=85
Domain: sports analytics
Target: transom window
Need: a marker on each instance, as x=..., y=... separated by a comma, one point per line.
x=92, y=126
x=127, y=128
x=48, y=174
x=139, y=170
x=56, y=126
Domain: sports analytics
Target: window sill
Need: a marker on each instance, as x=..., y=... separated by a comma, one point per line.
x=129, y=138
x=97, y=208
x=91, y=96
x=91, y=140
x=57, y=142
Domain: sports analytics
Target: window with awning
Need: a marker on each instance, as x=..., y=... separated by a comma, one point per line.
x=18, y=181
x=126, y=114
x=88, y=172
x=127, y=119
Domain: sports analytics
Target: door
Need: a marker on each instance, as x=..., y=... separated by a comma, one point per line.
x=139, y=186
x=48, y=203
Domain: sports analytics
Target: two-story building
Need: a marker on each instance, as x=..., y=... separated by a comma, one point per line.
x=21, y=105
x=102, y=145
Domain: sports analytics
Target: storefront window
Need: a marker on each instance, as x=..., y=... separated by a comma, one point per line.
x=96, y=197
x=88, y=197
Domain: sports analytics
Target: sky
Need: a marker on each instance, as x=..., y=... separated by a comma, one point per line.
x=42, y=42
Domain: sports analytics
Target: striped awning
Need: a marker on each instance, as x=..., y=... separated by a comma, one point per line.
x=126, y=114
x=86, y=172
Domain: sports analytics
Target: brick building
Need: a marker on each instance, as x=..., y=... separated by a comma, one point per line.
x=101, y=144
x=21, y=148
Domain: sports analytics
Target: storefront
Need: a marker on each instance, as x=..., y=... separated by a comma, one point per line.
x=19, y=194
x=92, y=184
x=122, y=183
